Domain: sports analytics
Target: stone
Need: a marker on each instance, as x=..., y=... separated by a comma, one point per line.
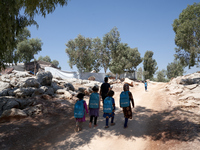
x=4, y=85
x=44, y=78
x=69, y=86
x=129, y=82
x=68, y=95
x=24, y=92
x=50, y=91
x=30, y=82
x=91, y=78
x=12, y=114
x=34, y=110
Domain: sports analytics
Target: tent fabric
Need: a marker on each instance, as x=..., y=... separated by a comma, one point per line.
x=62, y=74
x=66, y=75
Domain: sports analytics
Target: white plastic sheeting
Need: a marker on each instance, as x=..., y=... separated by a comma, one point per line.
x=67, y=75
x=62, y=74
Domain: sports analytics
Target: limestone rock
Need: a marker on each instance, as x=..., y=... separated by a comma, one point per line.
x=44, y=78
x=12, y=114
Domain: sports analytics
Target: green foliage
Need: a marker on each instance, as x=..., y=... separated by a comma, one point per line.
x=149, y=64
x=55, y=63
x=80, y=53
x=175, y=69
x=47, y=59
x=161, y=76
x=27, y=49
x=97, y=49
x=88, y=54
x=187, y=30
x=123, y=58
x=139, y=73
x=15, y=16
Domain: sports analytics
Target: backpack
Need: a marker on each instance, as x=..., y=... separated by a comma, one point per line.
x=94, y=100
x=79, y=109
x=108, y=105
x=124, y=99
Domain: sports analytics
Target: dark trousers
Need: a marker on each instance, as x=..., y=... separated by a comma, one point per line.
x=107, y=119
x=95, y=119
x=126, y=122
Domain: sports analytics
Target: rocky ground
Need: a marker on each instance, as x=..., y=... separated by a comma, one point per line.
x=162, y=119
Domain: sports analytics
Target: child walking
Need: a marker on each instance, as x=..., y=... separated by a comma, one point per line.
x=79, y=111
x=94, y=104
x=127, y=110
x=109, y=108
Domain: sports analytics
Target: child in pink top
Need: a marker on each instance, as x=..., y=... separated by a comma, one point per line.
x=79, y=121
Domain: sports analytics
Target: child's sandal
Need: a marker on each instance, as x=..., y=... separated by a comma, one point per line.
x=90, y=125
x=112, y=124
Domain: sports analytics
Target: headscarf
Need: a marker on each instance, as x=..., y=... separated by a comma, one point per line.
x=126, y=87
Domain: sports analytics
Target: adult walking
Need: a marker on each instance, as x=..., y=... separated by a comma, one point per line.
x=127, y=110
x=105, y=87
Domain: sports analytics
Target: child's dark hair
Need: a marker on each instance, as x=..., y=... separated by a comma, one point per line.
x=110, y=93
x=106, y=79
x=95, y=88
x=80, y=95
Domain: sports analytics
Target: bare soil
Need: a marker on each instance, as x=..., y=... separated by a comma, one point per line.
x=158, y=123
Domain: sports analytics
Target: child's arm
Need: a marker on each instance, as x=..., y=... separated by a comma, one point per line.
x=113, y=100
x=131, y=98
x=85, y=106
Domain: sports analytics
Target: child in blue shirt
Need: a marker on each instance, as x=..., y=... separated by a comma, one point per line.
x=108, y=115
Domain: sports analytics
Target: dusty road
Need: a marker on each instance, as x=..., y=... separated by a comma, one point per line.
x=137, y=136
x=156, y=125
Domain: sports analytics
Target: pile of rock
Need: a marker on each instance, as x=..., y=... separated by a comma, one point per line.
x=186, y=89
x=18, y=92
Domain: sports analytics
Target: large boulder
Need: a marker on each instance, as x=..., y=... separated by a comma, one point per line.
x=4, y=85
x=44, y=78
x=22, y=74
x=129, y=82
x=6, y=78
x=55, y=86
x=11, y=92
x=40, y=90
x=34, y=110
x=4, y=92
x=7, y=103
x=24, y=92
x=12, y=114
x=68, y=95
x=69, y=86
x=49, y=91
x=30, y=82
x=14, y=82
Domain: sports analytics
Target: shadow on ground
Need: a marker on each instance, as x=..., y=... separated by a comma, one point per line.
x=174, y=124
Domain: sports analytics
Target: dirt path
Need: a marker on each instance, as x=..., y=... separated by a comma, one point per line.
x=116, y=137
x=156, y=125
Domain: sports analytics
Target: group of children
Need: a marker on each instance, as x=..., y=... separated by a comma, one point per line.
x=108, y=107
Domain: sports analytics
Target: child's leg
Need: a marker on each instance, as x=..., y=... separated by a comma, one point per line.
x=77, y=126
x=95, y=121
x=112, y=121
x=80, y=126
x=126, y=122
x=91, y=119
x=107, y=119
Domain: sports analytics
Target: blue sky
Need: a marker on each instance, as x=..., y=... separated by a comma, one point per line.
x=145, y=24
